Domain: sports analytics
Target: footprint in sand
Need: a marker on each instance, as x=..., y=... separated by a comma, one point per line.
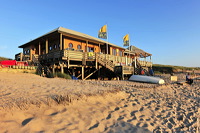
x=108, y=117
x=26, y=121
x=53, y=114
x=120, y=118
x=133, y=112
x=94, y=126
x=117, y=108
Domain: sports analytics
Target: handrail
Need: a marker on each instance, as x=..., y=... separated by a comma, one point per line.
x=78, y=55
x=40, y=67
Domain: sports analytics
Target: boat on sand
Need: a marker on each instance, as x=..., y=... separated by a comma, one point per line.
x=147, y=79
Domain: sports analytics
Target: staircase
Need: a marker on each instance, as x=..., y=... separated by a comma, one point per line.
x=40, y=68
x=138, y=68
x=106, y=63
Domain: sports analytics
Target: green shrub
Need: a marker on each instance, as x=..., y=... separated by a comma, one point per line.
x=63, y=75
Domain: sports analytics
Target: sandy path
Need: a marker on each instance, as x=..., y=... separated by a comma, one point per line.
x=27, y=104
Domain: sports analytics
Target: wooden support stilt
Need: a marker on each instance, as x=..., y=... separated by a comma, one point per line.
x=90, y=75
x=21, y=57
x=122, y=74
x=73, y=73
x=96, y=61
x=61, y=42
x=62, y=68
x=31, y=56
x=99, y=73
x=47, y=46
x=53, y=68
x=68, y=63
x=82, y=72
x=39, y=49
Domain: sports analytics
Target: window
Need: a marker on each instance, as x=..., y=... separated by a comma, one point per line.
x=79, y=46
x=58, y=45
x=120, y=53
x=114, y=52
x=24, y=51
x=70, y=45
x=55, y=46
x=50, y=48
x=90, y=49
x=28, y=51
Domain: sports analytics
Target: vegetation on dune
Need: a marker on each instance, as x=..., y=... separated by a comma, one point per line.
x=62, y=75
x=158, y=68
x=4, y=58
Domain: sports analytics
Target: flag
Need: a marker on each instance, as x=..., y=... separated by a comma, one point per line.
x=103, y=32
x=126, y=40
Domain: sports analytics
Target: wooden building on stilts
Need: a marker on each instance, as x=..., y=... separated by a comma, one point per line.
x=83, y=56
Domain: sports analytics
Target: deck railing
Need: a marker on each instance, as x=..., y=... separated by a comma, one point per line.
x=80, y=56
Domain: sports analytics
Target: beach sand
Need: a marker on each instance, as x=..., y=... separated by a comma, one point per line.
x=30, y=103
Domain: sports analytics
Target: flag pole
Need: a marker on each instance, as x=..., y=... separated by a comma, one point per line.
x=129, y=48
x=107, y=38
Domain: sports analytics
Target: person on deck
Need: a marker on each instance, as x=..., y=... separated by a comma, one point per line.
x=189, y=79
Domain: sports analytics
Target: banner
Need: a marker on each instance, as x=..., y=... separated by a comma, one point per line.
x=103, y=32
x=126, y=40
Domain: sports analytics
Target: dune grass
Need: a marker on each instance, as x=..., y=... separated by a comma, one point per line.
x=158, y=68
x=4, y=58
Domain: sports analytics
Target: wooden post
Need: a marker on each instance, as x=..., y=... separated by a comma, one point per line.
x=126, y=62
x=47, y=46
x=39, y=49
x=122, y=73
x=86, y=46
x=99, y=48
x=62, y=68
x=73, y=73
x=61, y=42
x=68, y=63
x=99, y=72
x=53, y=68
x=96, y=61
x=151, y=60
x=31, y=54
x=82, y=72
x=21, y=56
x=135, y=62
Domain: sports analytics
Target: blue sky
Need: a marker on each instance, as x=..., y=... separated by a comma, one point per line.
x=168, y=29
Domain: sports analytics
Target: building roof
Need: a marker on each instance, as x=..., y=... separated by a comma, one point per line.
x=134, y=50
x=138, y=52
x=74, y=33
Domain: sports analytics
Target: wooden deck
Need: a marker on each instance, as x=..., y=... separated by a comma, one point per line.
x=120, y=65
x=89, y=56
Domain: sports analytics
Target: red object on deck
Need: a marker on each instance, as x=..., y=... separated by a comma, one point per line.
x=22, y=63
x=7, y=63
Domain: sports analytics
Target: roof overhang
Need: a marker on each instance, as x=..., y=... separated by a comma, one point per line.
x=137, y=52
x=73, y=34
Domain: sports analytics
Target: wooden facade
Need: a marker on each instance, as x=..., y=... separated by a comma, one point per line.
x=81, y=55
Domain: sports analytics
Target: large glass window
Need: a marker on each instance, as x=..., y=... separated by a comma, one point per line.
x=120, y=53
x=114, y=52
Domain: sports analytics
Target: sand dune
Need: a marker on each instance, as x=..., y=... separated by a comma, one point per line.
x=29, y=103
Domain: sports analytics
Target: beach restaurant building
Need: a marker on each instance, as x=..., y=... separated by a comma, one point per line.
x=83, y=56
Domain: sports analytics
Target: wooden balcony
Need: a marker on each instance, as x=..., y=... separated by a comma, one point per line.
x=90, y=56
